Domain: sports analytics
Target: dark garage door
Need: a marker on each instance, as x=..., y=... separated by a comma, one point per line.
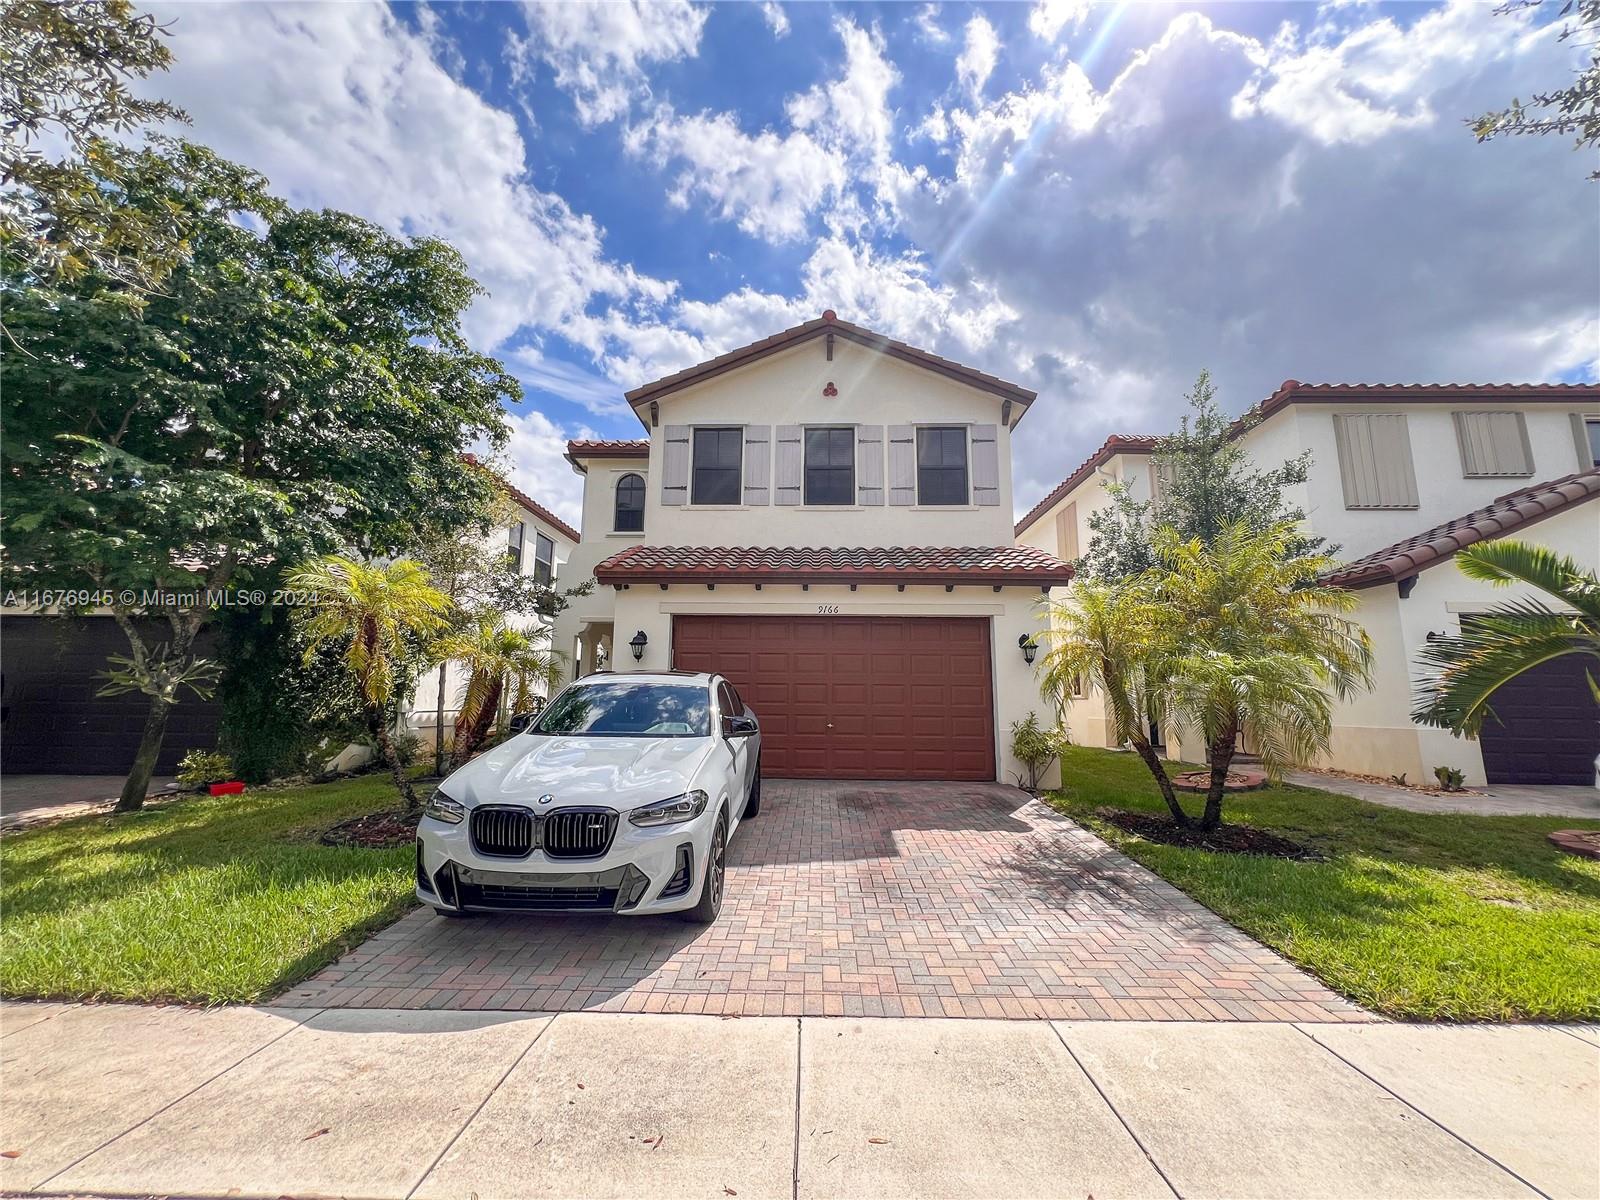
x=54, y=724
x=856, y=697
x=1548, y=727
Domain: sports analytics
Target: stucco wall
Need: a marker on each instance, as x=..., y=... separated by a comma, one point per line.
x=1011, y=613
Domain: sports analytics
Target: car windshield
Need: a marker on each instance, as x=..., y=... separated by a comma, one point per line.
x=623, y=709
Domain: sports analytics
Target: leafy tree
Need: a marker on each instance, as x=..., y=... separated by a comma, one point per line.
x=300, y=384
x=505, y=662
x=1255, y=646
x=371, y=612
x=1465, y=669
x=1574, y=109
x=1207, y=485
x=65, y=85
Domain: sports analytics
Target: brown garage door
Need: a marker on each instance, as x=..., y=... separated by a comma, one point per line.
x=856, y=697
x=1545, y=728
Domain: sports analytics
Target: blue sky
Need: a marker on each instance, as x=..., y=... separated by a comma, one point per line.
x=1096, y=200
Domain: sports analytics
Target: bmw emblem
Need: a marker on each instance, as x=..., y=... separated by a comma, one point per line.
x=545, y=799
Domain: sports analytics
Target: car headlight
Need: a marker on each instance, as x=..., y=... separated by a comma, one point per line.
x=442, y=808
x=673, y=811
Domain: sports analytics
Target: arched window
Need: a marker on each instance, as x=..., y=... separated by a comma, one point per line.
x=630, y=505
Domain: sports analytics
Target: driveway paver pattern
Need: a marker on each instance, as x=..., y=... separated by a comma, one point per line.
x=865, y=899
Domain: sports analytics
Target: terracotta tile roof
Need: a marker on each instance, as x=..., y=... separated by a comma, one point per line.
x=1293, y=391
x=605, y=448
x=1117, y=443
x=828, y=323
x=528, y=502
x=866, y=564
x=1510, y=512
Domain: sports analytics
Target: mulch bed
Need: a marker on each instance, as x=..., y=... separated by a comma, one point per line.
x=1225, y=839
x=1242, y=779
x=374, y=831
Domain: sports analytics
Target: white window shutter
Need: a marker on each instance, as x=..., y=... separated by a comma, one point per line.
x=1493, y=443
x=675, y=465
x=1580, y=439
x=790, y=464
x=985, y=465
x=902, y=464
x=1067, y=533
x=757, y=463
x=869, y=464
x=1375, y=460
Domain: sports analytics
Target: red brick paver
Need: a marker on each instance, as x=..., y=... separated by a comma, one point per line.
x=865, y=899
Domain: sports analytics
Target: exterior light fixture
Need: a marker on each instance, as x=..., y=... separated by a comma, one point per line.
x=638, y=642
x=1029, y=648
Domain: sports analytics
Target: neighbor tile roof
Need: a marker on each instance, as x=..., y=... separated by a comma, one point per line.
x=527, y=501
x=1117, y=443
x=827, y=323
x=1510, y=512
x=606, y=448
x=1292, y=391
x=864, y=564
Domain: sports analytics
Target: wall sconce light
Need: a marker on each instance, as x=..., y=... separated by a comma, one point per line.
x=1029, y=648
x=638, y=642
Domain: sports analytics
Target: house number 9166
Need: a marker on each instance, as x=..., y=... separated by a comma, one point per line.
x=828, y=609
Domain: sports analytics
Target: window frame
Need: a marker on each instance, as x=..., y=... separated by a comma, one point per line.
x=965, y=434
x=544, y=569
x=616, y=502
x=695, y=468
x=516, y=544
x=833, y=469
x=1591, y=423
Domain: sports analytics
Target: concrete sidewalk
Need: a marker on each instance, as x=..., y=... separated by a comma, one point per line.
x=120, y=1100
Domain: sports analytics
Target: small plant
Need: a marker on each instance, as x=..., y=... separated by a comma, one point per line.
x=1036, y=747
x=1399, y=780
x=406, y=746
x=201, y=767
x=1449, y=778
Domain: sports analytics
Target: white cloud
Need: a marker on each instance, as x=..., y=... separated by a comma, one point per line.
x=534, y=460
x=600, y=52
x=978, y=55
x=777, y=20
x=1050, y=17
x=852, y=111
x=928, y=28
x=573, y=384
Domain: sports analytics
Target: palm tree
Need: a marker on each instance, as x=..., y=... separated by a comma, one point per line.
x=503, y=661
x=1113, y=637
x=375, y=609
x=1258, y=647
x=1465, y=669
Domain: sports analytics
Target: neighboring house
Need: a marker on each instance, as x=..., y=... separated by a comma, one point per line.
x=540, y=544
x=824, y=517
x=1402, y=477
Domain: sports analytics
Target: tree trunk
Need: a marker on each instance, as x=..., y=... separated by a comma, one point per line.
x=377, y=722
x=438, y=722
x=137, y=784
x=1147, y=752
x=1221, y=753
x=470, y=737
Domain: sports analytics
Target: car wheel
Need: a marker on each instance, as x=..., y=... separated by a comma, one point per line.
x=710, y=903
x=752, y=804
x=454, y=914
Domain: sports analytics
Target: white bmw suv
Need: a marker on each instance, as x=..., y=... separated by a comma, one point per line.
x=621, y=797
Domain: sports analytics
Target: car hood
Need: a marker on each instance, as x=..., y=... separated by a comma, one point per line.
x=619, y=772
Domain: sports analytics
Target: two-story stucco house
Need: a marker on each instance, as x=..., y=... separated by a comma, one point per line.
x=825, y=517
x=1400, y=479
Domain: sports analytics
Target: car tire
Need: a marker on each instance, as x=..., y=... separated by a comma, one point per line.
x=711, y=888
x=454, y=914
x=752, y=804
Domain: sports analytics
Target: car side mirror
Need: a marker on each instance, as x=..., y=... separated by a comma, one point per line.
x=739, y=727
x=520, y=721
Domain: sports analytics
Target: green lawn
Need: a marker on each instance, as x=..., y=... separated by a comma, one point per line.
x=1415, y=915
x=207, y=899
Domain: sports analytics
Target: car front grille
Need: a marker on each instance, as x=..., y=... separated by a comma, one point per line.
x=579, y=832
x=502, y=832
x=504, y=896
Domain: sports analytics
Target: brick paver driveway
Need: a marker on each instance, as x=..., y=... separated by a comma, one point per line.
x=956, y=900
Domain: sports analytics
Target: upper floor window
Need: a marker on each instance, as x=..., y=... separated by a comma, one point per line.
x=830, y=466
x=544, y=559
x=1591, y=426
x=717, y=455
x=519, y=534
x=941, y=464
x=1493, y=443
x=1375, y=460
x=629, y=515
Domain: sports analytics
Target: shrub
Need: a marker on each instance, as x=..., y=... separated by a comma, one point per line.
x=1036, y=747
x=1449, y=778
x=200, y=767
